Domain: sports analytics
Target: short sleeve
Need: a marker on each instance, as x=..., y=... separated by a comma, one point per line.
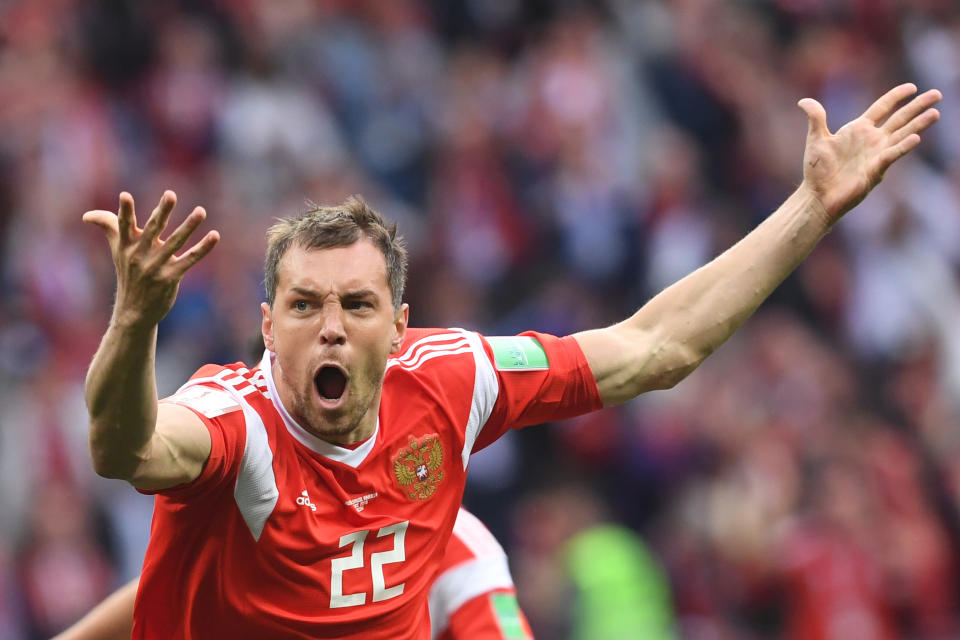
x=540, y=378
x=494, y=615
x=223, y=417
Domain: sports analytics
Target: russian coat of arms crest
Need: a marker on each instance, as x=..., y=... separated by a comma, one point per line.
x=417, y=467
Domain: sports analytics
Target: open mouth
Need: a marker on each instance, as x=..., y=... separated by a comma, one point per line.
x=330, y=382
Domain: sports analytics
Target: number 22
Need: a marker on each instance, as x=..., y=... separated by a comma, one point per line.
x=381, y=592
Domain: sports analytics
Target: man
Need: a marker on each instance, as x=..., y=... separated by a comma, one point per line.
x=473, y=597
x=308, y=497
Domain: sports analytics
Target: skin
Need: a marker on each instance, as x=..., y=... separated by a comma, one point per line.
x=112, y=619
x=676, y=330
x=332, y=307
x=155, y=447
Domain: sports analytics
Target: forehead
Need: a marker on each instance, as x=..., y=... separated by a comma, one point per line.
x=359, y=265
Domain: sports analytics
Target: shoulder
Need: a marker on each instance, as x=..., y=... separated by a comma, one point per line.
x=454, y=363
x=474, y=537
x=234, y=378
x=432, y=349
x=215, y=390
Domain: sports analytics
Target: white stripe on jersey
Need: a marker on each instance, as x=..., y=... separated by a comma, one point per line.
x=209, y=401
x=466, y=581
x=464, y=348
x=237, y=380
x=476, y=536
x=408, y=355
x=420, y=353
x=256, y=491
x=486, y=389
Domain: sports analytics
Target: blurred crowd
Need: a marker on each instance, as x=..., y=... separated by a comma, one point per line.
x=552, y=165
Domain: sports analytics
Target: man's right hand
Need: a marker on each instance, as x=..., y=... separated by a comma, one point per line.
x=130, y=437
x=148, y=271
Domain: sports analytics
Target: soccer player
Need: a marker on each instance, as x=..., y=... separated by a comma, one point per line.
x=309, y=497
x=473, y=598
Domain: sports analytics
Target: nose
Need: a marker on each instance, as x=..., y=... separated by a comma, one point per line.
x=332, y=331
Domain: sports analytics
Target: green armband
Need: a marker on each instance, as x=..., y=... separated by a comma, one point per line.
x=518, y=353
x=508, y=616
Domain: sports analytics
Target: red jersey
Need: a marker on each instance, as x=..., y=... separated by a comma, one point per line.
x=284, y=535
x=474, y=597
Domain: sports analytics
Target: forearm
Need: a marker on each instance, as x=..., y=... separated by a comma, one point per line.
x=672, y=334
x=112, y=619
x=698, y=313
x=121, y=394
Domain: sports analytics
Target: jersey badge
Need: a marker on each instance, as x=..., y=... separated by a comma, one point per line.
x=417, y=467
x=518, y=353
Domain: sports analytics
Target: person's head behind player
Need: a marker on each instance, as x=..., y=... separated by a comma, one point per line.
x=334, y=279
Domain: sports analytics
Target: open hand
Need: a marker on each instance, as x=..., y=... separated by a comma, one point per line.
x=841, y=168
x=148, y=272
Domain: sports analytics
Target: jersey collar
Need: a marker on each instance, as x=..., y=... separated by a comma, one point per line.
x=349, y=457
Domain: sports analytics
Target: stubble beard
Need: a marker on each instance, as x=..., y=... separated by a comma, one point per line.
x=345, y=420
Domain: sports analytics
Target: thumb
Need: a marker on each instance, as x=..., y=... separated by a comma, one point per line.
x=106, y=220
x=816, y=118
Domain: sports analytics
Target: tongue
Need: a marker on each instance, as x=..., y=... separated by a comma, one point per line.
x=331, y=383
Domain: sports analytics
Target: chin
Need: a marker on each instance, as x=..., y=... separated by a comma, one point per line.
x=336, y=423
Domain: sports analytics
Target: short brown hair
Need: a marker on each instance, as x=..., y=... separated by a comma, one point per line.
x=338, y=226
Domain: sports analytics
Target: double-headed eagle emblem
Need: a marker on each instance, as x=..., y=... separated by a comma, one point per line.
x=417, y=467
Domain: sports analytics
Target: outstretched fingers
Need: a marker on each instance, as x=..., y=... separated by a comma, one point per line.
x=880, y=109
x=918, y=124
x=106, y=220
x=157, y=221
x=194, y=254
x=126, y=218
x=897, y=151
x=906, y=114
x=180, y=235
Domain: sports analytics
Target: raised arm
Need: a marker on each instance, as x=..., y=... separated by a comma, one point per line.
x=130, y=438
x=676, y=330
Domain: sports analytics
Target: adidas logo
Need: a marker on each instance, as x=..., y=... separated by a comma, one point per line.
x=304, y=500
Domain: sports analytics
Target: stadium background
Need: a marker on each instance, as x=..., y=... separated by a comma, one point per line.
x=552, y=165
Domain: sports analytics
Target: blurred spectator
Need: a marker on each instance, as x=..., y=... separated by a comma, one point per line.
x=586, y=578
x=62, y=570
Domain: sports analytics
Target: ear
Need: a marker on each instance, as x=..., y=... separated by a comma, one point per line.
x=400, y=320
x=266, y=326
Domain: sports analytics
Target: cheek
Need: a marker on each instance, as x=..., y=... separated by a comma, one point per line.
x=291, y=354
x=290, y=337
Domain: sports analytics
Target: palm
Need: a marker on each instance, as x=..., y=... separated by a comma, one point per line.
x=842, y=168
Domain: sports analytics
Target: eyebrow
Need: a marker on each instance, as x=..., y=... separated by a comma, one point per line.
x=361, y=294
x=306, y=293
x=353, y=293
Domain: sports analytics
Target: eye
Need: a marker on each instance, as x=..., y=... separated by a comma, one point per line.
x=301, y=305
x=358, y=305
